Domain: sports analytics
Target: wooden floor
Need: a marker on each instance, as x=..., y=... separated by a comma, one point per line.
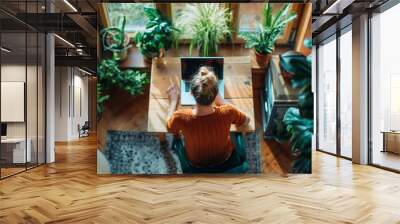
x=69, y=191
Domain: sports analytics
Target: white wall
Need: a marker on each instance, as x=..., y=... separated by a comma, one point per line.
x=71, y=102
x=314, y=90
x=33, y=126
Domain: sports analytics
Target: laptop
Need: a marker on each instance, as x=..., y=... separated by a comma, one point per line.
x=3, y=131
x=189, y=68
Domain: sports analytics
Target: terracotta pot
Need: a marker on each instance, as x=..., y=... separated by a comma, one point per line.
x=262, y=59
x=149, y=60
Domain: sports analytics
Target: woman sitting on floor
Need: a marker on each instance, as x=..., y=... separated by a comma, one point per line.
x=206, y=127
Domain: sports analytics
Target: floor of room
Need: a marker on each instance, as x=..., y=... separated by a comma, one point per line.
x=70, y=191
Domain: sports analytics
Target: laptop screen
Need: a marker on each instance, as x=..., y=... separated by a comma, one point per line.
x=190, y=66
x=3, y=129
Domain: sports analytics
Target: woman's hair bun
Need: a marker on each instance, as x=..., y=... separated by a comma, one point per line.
x=204, y=71
x=204, y=86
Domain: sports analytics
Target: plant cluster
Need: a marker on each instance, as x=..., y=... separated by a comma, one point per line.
x=273, y=25
x=159, y=34
x=113, y=39
x=109, y=75
x=299, y=121
x=207, y=24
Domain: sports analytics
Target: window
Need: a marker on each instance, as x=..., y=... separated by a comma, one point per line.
x=176, y=9
x=327, y=96
x=135, y=17
x=385, y=89
x=346, y=94
x=250, y=15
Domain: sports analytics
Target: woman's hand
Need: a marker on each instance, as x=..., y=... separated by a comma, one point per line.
x=173, y=94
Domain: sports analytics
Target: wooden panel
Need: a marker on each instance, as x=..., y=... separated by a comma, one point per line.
x=304, y=26
x=237, y=77
x=70, y=191
x=158, y=109
x=163, y=74
x=391, y=142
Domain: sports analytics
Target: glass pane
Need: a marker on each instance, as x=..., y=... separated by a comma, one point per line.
x=250, y=14
x=385, y=84
x=13, y=87
x=327, y=97
x=41, y=99
x=31, y=98
x=346, y=94
x=134, y=12
x=176, y=9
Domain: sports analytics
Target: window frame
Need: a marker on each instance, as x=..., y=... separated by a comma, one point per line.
x=166, y=9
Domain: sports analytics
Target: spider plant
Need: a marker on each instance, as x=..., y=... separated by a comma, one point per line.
x=207, y=24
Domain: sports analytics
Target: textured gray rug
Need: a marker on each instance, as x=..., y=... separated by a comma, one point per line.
x=142, y=153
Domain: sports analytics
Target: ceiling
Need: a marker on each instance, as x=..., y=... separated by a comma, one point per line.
x=73, y=20
x=331, y=15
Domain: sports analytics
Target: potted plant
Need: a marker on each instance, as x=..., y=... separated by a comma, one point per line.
x=298, y=122
x=263, y=43
x=207, y=24
x=114, y=39
x=110, y=75
x=264, y=38
x=158, y=36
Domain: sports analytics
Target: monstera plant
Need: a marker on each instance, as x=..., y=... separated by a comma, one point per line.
x=158, y=36
x=299, y=121
x=110, y=75
x=114, y=39
x=272, y=27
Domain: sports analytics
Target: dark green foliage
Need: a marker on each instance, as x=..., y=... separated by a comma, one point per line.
x=299, y=121
x=109, y=75
x=113, y=38
x=101, y=99
x=272, y=27
x=159, y=34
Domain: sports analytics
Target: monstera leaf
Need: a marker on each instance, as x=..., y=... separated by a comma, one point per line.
x=300, y=129
x=299, y=121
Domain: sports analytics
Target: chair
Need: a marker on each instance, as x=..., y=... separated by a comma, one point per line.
x=179, y=148
x=84, y=130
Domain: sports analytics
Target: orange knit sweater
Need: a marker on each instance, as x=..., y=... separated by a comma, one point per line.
x=207, y=138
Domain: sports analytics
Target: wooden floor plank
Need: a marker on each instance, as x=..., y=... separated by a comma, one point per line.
x=70, y=191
